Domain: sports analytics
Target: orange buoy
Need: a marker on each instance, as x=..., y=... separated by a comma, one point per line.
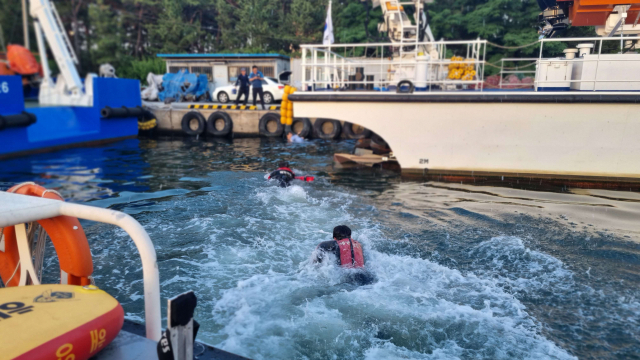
x=21, y=60
x=68, y=239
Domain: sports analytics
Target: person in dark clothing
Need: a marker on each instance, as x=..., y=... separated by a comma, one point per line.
x=243, y=86
x=348, y=254
x=284, y=175
x=256, y=78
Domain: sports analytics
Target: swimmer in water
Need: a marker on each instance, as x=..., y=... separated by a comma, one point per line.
x=294, y=138
x=284, y=175
x=348, y=254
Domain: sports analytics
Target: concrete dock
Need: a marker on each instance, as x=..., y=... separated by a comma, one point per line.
x=181, y=118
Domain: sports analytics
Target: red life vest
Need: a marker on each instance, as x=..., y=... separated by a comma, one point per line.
x=350, y=253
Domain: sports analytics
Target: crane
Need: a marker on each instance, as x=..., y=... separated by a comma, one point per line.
x=402, y=31
x=68, y=89
x=610, y=17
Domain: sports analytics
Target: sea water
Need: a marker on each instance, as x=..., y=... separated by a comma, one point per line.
x=461, y=271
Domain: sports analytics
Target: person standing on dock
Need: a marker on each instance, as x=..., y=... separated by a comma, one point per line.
x=256, y=78
x=243, y=86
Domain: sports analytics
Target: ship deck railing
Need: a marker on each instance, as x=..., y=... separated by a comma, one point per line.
x=598, y=43
x=334, y=67
x=381, y=65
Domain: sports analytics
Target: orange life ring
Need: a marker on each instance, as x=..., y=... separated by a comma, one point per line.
x=66, y=234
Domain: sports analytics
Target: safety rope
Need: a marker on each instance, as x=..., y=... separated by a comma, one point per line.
x=512, y=47
x=38, y=246
x=14, y=273
x=509, y=68
x=38, y=252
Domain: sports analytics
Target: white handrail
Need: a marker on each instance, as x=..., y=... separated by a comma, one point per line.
x=18, y=209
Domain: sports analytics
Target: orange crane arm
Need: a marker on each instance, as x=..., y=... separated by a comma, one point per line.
x=596, y=12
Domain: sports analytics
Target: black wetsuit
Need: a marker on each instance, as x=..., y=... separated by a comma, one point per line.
x=283, y=175
x=328, y=247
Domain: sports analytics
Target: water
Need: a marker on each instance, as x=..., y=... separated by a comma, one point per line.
x=462, y=271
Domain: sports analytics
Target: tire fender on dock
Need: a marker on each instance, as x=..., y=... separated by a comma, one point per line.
x=193, y=123
x=306, y=127
x=348, y=131
x=270, y=125
x=318, y=126
x=219, y=124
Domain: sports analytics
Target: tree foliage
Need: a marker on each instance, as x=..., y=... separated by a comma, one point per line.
x=127, y=32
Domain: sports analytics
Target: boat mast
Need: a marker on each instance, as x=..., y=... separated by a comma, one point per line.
x=25, y=24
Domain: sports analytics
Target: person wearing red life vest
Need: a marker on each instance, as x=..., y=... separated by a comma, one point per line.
x=348, y=252
x=284, y=175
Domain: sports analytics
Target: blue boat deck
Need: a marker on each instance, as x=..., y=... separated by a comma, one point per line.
x=64, y=126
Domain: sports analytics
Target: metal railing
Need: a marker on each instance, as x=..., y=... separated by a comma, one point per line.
x=578, y=64
x=381, y=66
x=19, y=209
x=517, y=70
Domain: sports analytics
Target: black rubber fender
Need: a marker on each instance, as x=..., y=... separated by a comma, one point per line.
x=404, y=83
x=146, y=116
x=337, y=129
x=17, y=120
x=211, y=124
x=348, y=131
x=306, y=126
x=186, y=120
x=122, y=112
x=265, y=119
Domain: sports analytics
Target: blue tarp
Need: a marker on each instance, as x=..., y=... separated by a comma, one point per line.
x=174, y=85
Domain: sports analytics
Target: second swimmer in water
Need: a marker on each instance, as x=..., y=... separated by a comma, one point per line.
x=284, y=175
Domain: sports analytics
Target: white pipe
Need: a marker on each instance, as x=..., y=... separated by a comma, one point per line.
x=147, y=255
x=43, y=54
x=18, y=209
x=25, y=25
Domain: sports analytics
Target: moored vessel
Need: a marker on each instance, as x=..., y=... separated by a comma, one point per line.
x=439, y=117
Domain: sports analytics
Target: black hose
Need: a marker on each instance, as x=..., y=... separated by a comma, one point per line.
x=122, y=112
x=17, y=120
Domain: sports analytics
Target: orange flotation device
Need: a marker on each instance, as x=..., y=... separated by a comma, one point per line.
x=21, y=60
x=68, y=239
x=350, y=253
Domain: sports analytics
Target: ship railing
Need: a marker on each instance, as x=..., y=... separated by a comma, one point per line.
x=381, y=66
x=517, y=69
x=600, y=73
x=17, y=210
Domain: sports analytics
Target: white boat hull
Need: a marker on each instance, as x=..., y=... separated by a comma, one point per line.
x=542, y=139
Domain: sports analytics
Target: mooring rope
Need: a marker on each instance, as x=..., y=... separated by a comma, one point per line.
x=38, y=252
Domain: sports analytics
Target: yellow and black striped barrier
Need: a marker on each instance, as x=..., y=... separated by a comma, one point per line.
x=232, y=107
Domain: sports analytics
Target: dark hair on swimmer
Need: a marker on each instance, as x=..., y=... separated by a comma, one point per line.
x=254, y=67
x=341, y=232
x=283, y=164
